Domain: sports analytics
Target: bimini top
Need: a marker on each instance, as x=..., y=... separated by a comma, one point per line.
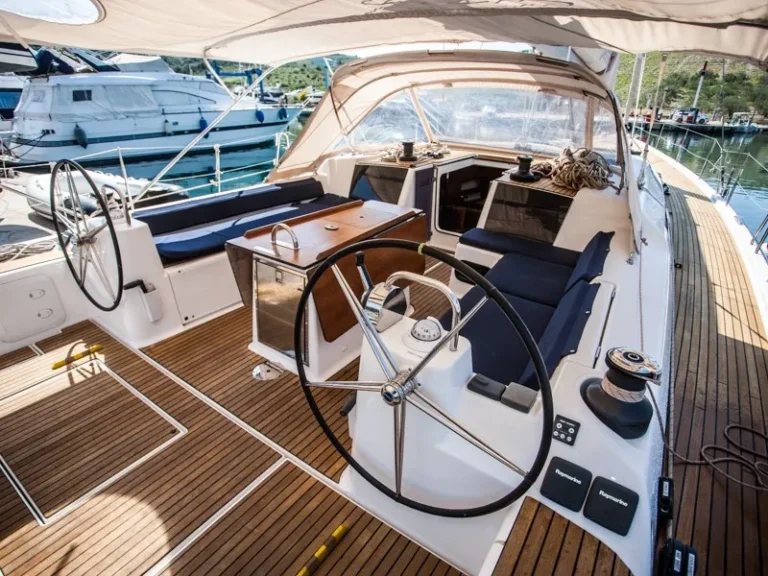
x=276, y=31
x=520, y=102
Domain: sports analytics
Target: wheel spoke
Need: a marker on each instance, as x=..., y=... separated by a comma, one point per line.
x=84, y=269
x=436, y=413
x=80, y=216
x=399, y=413
x=95, y=231
x=360, y=386
x=61, y=215
x=388, y=364
x=446, y=338
x=100, y=271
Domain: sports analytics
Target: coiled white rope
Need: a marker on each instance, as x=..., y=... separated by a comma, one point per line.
x=10, y=252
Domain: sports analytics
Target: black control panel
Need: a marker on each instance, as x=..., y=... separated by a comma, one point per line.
x=611, y=505
x=566, y=483
x=565, y=430
x=608, y=503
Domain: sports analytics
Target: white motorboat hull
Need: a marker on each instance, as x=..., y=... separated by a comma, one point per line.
x=145, y=137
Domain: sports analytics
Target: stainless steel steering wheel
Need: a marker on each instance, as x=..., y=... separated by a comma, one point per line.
x=401, y=388
x=86, y=234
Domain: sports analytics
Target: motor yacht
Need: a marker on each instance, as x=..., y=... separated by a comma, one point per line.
x=466, y=326
x=144, y=110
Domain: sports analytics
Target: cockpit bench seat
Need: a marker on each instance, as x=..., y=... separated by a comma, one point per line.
x=200, y=227
x=498, y=353
x=547, y=282
x=553, y=299
x=503, y=243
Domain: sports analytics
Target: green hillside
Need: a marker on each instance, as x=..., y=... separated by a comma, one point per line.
x=291, y=76
x=745, y=89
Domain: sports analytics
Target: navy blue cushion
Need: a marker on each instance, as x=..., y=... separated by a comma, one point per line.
x=564, y=330
x=165, y=219
x=497, y=350
x=502, y=243
x=591, y=260
x=530, y=278
x=184, y=244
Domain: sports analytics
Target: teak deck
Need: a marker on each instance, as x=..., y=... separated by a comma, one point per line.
x=544, y=542
x=216, y=501
x=721, y=374
x=721, y=377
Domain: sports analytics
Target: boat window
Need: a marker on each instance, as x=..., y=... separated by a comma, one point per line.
x=524, y=118
x=393, y=121
x=8, y=102
x=604, y=139
x=82, y=95
x=134, y=99
x=382, y=183
x=527, y=212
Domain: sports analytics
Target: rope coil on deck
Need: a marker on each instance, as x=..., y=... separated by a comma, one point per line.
x=576, y=169
x=758, y=468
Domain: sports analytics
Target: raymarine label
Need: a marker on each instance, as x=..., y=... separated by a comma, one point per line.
x=613, y=498
x=566, y=483
x=567, y=476
x=611, y=505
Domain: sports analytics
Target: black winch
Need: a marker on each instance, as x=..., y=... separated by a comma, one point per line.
x=523, y=172
x=408, y=154
x=618, y=400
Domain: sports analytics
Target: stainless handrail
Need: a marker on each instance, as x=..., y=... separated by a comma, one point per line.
x=726, y=188
x=453, y=300
x=123, y=200
x=283, y=226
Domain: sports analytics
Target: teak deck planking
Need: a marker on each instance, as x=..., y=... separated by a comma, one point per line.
x=544, y=542
x=276, y=408
x=721, y=370
x=721, y=377
x=134, y=523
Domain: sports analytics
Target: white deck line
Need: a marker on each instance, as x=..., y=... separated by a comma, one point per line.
x=201, y=530
x=30, y=503
x=295, y=460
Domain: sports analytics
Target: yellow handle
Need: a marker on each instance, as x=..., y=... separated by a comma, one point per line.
x=321, y=554
x=69, y=359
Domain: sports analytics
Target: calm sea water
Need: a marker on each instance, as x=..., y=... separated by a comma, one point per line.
x=751, y=204
x=240, y=168
x=247, y=167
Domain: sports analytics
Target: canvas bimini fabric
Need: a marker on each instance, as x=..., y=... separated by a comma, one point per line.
x=276, y=31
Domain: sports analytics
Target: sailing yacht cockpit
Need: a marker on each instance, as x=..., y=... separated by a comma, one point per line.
x=436, y=340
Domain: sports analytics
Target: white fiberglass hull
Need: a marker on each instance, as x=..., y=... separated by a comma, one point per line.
x=143, y=138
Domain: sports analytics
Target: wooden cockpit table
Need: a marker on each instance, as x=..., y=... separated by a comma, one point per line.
x=272, y=264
